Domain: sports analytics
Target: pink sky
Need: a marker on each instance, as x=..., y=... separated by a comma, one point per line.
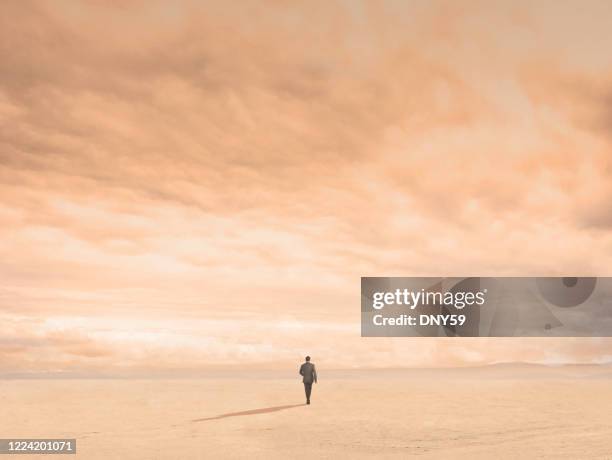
x=188, y=185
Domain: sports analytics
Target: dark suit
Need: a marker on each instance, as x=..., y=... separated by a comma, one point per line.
x=309, y=372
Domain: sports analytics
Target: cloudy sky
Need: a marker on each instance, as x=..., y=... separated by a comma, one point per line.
x=189, y=185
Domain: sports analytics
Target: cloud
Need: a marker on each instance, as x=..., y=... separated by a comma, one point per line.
x=212, y=162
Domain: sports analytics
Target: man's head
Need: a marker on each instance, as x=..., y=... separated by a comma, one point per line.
x=307, y=358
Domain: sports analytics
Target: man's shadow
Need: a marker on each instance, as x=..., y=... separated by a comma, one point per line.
x=264, y=410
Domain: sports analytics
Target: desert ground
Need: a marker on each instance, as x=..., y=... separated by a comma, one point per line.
x=495, y=412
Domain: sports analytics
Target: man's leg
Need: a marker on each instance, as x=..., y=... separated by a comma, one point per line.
x=307, y=389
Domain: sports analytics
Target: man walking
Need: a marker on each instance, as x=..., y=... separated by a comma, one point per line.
x=308, y=371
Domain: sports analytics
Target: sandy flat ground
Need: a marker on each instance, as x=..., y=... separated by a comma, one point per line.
x=469, y=414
